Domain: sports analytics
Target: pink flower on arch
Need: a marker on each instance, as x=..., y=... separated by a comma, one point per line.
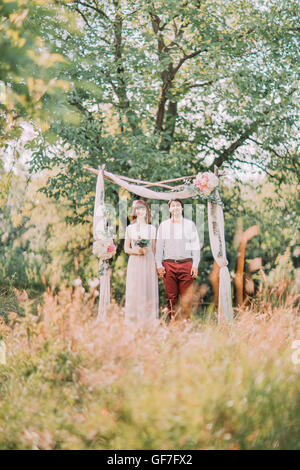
x=206, y=182
x=111, y=248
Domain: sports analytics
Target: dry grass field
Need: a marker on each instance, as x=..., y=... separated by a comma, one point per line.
x=71, y=382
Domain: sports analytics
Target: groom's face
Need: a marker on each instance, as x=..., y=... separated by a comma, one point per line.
x=175, y=208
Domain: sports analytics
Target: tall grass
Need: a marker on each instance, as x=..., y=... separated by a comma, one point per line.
x=74, y=383
x=8, y=301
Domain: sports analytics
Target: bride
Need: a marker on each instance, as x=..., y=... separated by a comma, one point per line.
x=141, y=301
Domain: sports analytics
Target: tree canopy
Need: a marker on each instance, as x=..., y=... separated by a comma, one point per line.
x=28, y=66
x=168, y=87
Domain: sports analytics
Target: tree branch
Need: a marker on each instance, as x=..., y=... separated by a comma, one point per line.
x=197, y=85
x=186, y=57
x=267, y=148
x=83, y=16
x=246, y=134
x=258, y=166
x=240, y=141
x=98, y=10
x=294, y=162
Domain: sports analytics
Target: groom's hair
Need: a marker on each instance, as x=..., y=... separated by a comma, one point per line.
x=178, y=200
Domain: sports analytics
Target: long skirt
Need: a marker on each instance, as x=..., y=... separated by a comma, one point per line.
x=141, y=302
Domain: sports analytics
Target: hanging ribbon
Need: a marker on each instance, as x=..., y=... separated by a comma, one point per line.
x=217, y=243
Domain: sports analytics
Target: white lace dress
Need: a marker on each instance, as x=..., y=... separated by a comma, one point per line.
x=141, y=301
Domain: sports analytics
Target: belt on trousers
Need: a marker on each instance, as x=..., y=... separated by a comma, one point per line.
x=179, y=260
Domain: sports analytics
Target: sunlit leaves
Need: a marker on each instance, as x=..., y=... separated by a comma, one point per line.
x=27, y=68
x=227, y=69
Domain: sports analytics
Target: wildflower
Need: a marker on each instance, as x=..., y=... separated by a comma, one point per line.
x=2, y=352
x=93, y=282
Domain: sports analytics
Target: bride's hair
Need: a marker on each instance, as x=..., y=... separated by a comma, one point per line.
x=135, y=205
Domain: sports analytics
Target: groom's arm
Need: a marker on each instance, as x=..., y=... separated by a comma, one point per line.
x=195, y=246
x=159, y=248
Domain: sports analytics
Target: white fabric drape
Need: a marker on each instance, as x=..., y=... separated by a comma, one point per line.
x=217, y=243
x=104, y=298
x=216, y=236
x=98, y=220
x=99, y=247
x=149, y=193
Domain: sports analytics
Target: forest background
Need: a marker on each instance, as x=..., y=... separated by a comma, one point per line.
x=154, y=90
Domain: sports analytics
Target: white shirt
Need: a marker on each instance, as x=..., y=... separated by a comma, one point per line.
x=177, y=240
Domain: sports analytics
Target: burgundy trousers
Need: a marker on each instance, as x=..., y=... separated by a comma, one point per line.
x=177, y=281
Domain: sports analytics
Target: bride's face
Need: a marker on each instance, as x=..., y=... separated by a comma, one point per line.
x=141, y=212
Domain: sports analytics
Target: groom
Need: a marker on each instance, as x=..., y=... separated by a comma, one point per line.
x=177, y=257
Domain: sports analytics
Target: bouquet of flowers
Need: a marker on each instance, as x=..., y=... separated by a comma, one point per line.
x=142, y=242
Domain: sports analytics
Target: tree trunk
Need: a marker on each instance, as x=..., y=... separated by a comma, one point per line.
x=170, y=122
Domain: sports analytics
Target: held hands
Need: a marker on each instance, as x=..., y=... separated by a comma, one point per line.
x=161, y=272
x=194, y=272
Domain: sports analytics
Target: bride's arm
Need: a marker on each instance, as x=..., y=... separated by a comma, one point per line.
x=154, y=241
x=127, y=247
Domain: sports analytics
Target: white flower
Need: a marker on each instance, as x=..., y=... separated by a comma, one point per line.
x=77, y=282
x=100, y=249
x=93, y=282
